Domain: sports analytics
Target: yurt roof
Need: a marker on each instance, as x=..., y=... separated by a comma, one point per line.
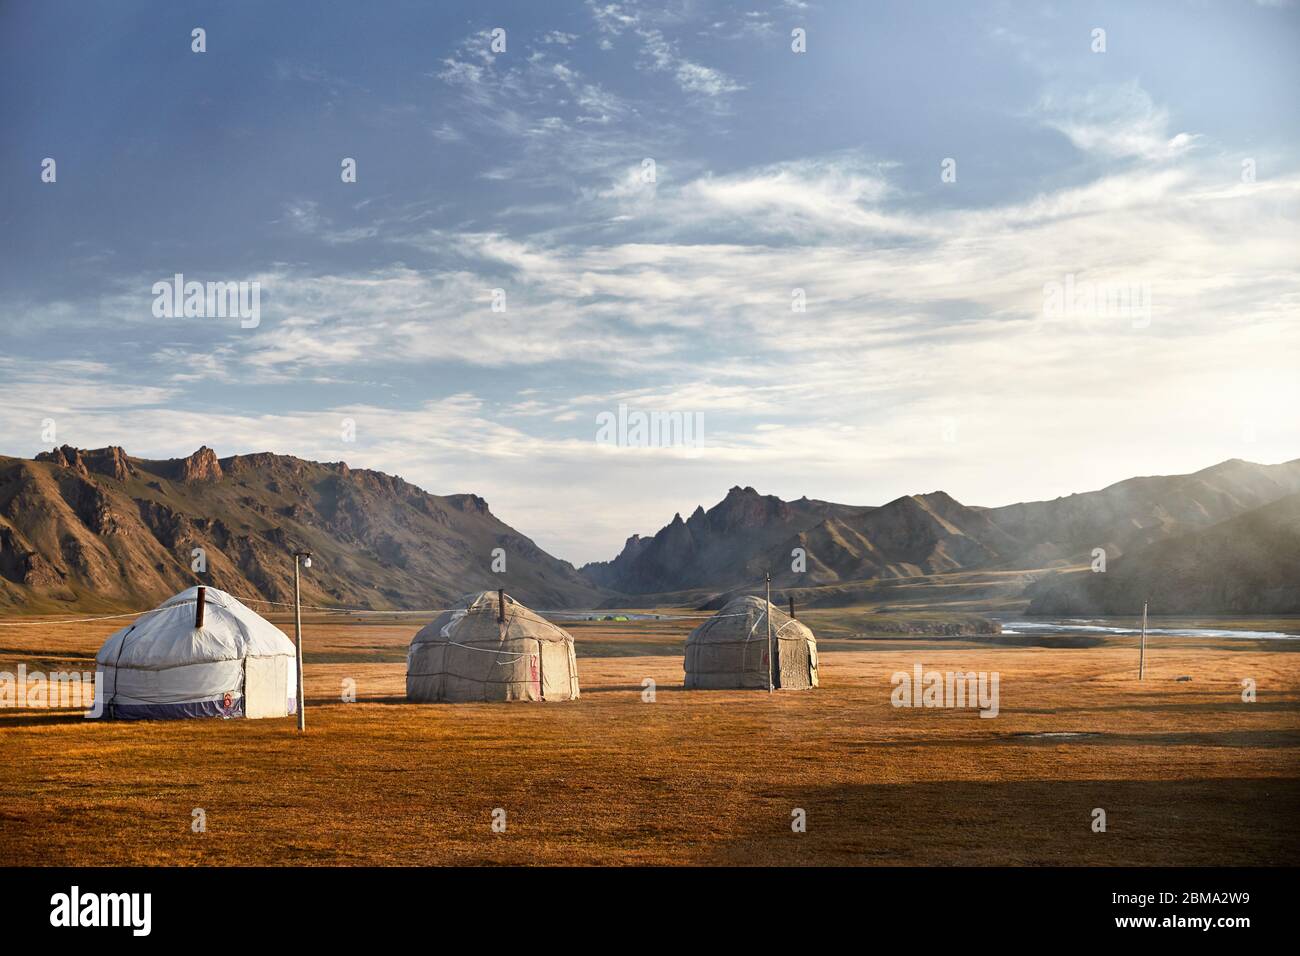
x=473, y=617
x=166, y=636
x=741, y=618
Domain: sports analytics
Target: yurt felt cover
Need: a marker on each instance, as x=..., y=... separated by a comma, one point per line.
x=729, y=650
x=162, y=666
x=467, y=655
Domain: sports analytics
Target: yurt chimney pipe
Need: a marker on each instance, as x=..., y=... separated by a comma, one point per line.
x=792, y=605
x=199, y=605
x=501, y=605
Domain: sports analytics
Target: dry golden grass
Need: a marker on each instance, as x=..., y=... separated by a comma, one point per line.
x=1187, y=772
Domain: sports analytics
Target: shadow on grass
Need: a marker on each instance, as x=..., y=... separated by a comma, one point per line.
x=1262, y=739
x=1236, y=822
x=586, y=692
x=42, y=718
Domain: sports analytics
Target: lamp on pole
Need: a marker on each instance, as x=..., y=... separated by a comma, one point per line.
x=301, y=559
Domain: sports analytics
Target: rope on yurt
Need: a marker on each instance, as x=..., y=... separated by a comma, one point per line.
x=85, y=620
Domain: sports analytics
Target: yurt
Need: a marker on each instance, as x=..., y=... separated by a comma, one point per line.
x=199, y=654
x=489, y=647
x=730, y=649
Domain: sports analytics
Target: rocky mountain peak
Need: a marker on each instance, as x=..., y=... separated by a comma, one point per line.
x=746, y=508
x=470, y=504
x=200, y=466
x=65, y=457
x=111, y=461
x=379, y=541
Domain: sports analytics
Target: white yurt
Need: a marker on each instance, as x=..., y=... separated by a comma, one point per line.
x=729, y=650
x=489, y=647
x=199, y=654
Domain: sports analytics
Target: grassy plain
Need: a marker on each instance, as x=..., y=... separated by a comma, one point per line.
x=1186, y=772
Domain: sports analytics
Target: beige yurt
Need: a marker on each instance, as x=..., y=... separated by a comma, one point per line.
x=489, y=647
x=730, y=649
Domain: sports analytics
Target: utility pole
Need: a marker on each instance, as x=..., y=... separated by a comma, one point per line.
x=303, y=559
x=1142, y=652
x=767, y=613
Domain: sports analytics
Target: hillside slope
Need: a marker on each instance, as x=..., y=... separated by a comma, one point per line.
x=1249, y=564
x=1137, y=512
x=732, y=544
x=102, y=529
x=723, y=547
x=908, y=537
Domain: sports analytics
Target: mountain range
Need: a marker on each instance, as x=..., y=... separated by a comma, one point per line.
x=1249, y=564
x=733, y=543
x=103, y=529
x=99, y=528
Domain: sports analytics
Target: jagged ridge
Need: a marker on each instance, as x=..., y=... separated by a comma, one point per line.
x=732, y=544
x=101, y=528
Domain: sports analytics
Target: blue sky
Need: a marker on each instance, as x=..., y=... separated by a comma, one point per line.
x=925, y=358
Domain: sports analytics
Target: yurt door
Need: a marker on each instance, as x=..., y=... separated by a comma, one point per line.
x=796, y=667
x=264, y=686
x=556, y=680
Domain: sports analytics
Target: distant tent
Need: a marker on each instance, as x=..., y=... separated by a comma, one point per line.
x=237, y=664
x=466, y=654
x=730, y=649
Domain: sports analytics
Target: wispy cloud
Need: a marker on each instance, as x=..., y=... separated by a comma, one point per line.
x=658, y=53
x=793, y=270
x=1114, y=122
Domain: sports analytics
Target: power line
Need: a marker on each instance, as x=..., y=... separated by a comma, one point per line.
x=597, y=613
